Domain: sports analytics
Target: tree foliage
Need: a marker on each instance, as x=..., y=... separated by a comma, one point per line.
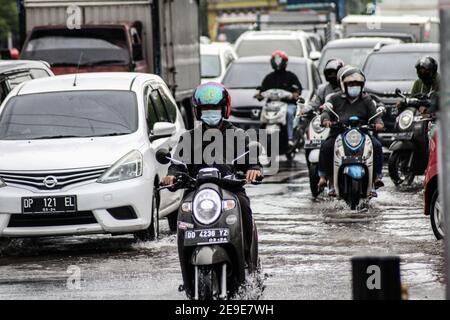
x=8, y=17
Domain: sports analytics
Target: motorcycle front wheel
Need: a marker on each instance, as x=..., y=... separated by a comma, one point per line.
x=398, y=168
x=313, y=180
x=355, y=195
x=208, y=283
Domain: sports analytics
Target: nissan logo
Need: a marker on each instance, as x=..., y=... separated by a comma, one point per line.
x=50, y=182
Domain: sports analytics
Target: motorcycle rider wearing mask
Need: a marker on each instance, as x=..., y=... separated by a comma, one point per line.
x=428, y=83
x=352, y=101
x=212, y=105
x=330, y=71
x=283, y=79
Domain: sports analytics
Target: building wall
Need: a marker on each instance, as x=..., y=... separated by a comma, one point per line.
x=218, y=7
x=408, y=7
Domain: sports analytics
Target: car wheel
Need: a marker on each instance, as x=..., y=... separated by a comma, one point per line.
x=437, y=216
x=152, y=232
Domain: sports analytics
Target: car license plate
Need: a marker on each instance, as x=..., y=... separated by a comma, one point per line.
x=206, y=236
x=50, y=204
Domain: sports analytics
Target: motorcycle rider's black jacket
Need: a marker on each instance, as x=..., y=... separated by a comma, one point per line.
x=234, y=143
x=282, y=79
x=363, y=107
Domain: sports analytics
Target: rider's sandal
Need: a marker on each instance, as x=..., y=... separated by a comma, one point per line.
x=321, y=186
x=373, y=193
x=332, y=192
x=378, y=184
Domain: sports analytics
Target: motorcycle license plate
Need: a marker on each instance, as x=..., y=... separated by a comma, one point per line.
x=314, y=143
x=403, y=136
x=206, y=236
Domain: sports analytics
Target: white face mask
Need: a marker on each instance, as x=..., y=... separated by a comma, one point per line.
x=354, y=92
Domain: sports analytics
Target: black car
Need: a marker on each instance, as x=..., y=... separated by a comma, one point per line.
x=246, y=74
x=392, y=67
x=352, y=51
x=14, y=72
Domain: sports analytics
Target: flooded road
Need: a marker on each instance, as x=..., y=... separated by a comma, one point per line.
x=305, y=248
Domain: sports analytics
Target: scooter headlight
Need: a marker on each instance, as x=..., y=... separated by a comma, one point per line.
x=207, y=206
x=406, y=119
x=353, y=138
x=316, y=125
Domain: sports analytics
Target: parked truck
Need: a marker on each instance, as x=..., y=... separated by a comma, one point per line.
x=155, y=36
x=405, y=28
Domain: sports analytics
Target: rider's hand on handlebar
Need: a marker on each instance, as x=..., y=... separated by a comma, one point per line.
x=379, y=127
x=258, y=96
x=168, y=181
x=252, y=175
x=423, y=109
x=326, y=123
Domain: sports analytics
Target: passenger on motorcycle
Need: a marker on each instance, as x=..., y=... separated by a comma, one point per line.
x=212, y=105
x=325, y=90
x=352, y=101
x=283, y=79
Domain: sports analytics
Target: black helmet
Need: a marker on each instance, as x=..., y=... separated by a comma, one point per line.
x=426, y=69
x=331, y=70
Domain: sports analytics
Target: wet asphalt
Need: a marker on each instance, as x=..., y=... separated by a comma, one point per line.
x=306, y=246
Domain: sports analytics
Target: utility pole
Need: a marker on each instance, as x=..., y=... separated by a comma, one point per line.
x=443, y=136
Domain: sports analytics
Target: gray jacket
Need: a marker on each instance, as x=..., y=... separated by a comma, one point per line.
x=364, y=108
x=323, y=92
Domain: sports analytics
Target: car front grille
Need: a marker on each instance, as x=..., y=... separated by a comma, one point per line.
x=51, y=180
x=51, y=219
x=247, y=112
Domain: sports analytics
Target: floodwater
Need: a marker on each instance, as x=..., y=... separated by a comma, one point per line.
x=306, y=248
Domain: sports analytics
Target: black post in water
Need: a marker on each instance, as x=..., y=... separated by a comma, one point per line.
x=376, y=278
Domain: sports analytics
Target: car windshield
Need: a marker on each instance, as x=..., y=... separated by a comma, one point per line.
x=70, y=114
x=210, y=66
x=394, y=66
x=231, y=32
x=352, y=56
x=251, y=75
x=64, y=47
x=266, y=47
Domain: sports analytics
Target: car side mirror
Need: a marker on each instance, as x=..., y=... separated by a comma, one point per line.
x=315, y=55
x=163, y=156
x=162, y=130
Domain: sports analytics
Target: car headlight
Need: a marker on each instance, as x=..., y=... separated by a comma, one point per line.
x=353, y=138
x=128, y=167
x=406, y=119
x=317, y=125
x=207, y=206
x=2, y=183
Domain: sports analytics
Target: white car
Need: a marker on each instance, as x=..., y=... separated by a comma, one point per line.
x=264, y=43
x=77, y=155
x=215, y=60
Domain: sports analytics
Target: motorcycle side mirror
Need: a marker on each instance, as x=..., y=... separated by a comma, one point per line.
x=399, y=93
x=163, y=156
x=301, y=100
x=381, y=110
